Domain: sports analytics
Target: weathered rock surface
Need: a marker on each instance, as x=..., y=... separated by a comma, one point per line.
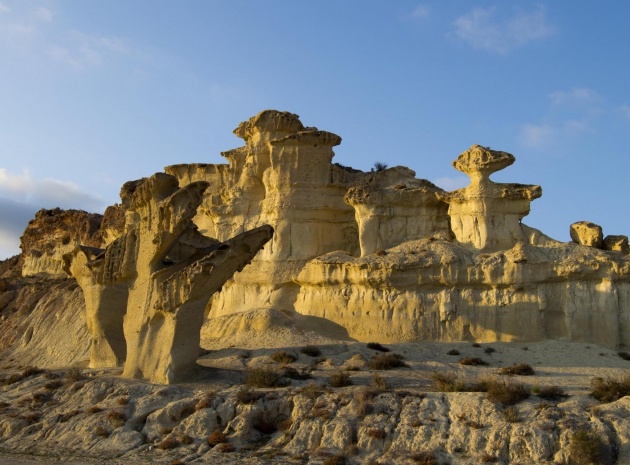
x=587, y=233
x=616, y=243
x=51, y=234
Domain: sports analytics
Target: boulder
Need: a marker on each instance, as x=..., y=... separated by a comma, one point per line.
x=587, y=233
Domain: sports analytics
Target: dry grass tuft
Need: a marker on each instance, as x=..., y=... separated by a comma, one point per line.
x=311, y=351
x=206, y=400
x=448, y=382
x=386, y=362
x=553, y=393
x=624, y=355
x=312, y=390
x=453, y=352
x=377, y=433
x=283, y=357
x=118, y=418
x=518, y=369
x=216, y=438
x=424, y=458
x=335, y=460
x=472, y=361
x=264, y=378
x=340, y=379
x=377, y=346
x=511, y=414
x=74, y=374
x=610, y=389
x=94, y=409
x=225, y=447
x=101, y=432
x=185, y=439
x=505, y=392
x=168, y=444
x=586, y=448
x=378, y=382
x=248, y=396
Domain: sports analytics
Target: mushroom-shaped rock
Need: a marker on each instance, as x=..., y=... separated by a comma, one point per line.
x=587, y=233
x=617, y=243
x=487, y=215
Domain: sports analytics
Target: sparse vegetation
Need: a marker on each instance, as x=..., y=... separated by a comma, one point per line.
x=505, y=392
x=283, y=357
x=378, y=382
x=53, y=385
x=247, y=395
x=335, y=460
x=16, y=377
x=312, y=390
x=101, y=432
x=311, y=351
x=74, y=374
x=122, y=400
x=94, y=409
x=118, y=418
x=553, y=393
x=378, y=166
x=453, y=352
x=511, y=414
x=168, y=443
x=472, y=361
x=264, y=378
x=225, y=447
x=489, y=350
x=386, y=362
x=424, y=458
x=216, y=438
x=206, y=400
x=185, y=439
x=610, y=389
x=377, y=346
x=448, y=382
x=340, y=379
x=377, y=433
x=586, y=448
x=476, y=345
x=292, y=373
x=518, y=369
x=624, y=355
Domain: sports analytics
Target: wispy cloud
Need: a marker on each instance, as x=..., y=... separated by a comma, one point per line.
x=420, y=12
x=452, y=183
x=29, y=29
x=484, y=30
x=570, y=114
x=21, y=195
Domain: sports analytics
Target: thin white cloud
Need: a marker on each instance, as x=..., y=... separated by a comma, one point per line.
x=452, y=183
x=537, y=136
x=420, y=12
x=30, y=30
x=46, y=193
x=483, y=30
x=578, y=96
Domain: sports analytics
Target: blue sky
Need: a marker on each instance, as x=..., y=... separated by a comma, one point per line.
x=93, y=94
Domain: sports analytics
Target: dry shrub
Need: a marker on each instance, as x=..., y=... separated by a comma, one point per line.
x=248, y=396
x=64, y=417
x=448, y=382
x=335, y=460
x=489, y=350
x=283, y=357
x=377, y=433
x=378, y=382
x=225, y=447
x=101, y=432
x=311, y=351
x=122, y=400
x=610, y=389
x=363, y=401
x=32, y=418
x=487, y=458
x=453, y=352
x=476, y=345
x=377, y=346
x=118, y=418
x=586, y=448
x=424, y=458
x=340, y=379
x=168, y=443
x=185, y=439
x=264, y=378
x=216, y=438
x=285, y=425
x=511, y=414
x=312, y=390
x=74, y=374
x=206, y=400
x=624, y=355
x=52, y=385
x=553, y=393
x=30, y=371
x=505, y=392
x=292, y=373
x=518, y=369
x=472, y=361
x=94, y=409
x=177, y=462
x=163, y=430
x=386, y=362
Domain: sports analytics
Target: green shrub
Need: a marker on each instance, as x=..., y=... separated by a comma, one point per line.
x=520, y=369
x=610, y=389
x=386, y=362
x=377, y=346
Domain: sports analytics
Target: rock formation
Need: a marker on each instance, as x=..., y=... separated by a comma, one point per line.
x=157, y=277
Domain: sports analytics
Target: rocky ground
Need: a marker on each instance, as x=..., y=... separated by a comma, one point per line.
x=400, y=415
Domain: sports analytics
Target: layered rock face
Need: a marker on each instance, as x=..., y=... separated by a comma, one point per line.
x=51, y=234
x=146, y=292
